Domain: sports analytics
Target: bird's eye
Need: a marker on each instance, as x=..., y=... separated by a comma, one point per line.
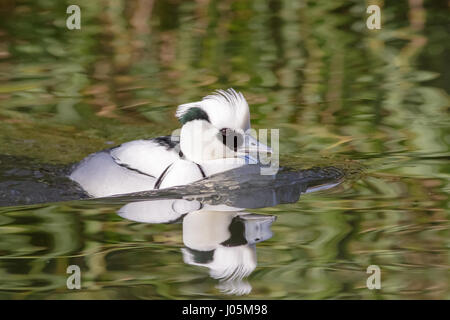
x=231, y=138
x=225, y=131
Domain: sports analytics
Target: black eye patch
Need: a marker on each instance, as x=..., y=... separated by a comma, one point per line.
x=237, y=231
x=231, y=138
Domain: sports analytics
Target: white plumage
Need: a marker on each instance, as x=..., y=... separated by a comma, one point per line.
x=213, y=139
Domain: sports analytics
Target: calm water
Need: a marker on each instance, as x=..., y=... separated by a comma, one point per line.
x=372, y=102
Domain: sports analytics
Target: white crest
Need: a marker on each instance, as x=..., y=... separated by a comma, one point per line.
x=225, y=109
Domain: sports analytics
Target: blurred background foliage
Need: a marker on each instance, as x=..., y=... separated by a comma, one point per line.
x=335, y=89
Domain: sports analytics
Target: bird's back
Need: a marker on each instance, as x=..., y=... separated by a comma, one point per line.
x=131, y=167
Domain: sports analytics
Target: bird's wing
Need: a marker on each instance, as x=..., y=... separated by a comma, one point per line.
x=149, y=157
x=100, y=176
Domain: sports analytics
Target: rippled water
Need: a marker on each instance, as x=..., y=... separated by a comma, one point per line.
x=372, y=104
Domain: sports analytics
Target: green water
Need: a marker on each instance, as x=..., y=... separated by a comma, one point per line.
x=338, y=93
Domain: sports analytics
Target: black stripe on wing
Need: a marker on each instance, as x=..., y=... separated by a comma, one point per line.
x=166, y=171
x=124, y=165
x=170, y=142
x=162, y=176
x=201, y=170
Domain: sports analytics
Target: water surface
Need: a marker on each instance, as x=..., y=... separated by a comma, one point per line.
x=340, y=94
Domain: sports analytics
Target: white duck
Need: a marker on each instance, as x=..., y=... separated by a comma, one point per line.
x=214, y=138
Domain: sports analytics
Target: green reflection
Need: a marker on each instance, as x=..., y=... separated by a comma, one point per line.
x=336, y=91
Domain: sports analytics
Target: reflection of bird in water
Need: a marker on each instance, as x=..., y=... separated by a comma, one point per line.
x=224, y=242
x=214, y=138
x=217, y=232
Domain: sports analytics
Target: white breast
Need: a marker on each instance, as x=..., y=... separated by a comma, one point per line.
x=179, y=173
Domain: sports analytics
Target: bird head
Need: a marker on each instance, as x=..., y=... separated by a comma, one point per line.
x=217, y=127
